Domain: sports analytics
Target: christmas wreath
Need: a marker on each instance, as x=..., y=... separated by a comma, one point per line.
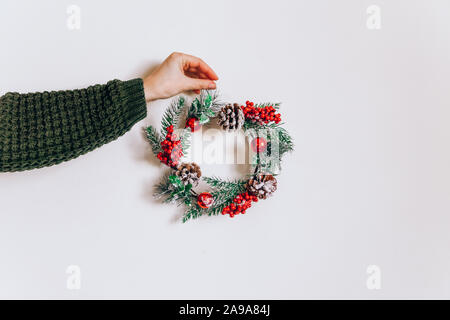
x=261, y=124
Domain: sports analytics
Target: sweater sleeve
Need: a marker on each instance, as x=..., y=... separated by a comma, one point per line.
x=44, y=129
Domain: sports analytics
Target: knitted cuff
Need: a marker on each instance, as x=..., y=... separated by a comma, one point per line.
x=133, y=99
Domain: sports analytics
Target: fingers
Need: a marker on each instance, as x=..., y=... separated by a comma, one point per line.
x=199, y=84
x=197, y=65
x=197, y=75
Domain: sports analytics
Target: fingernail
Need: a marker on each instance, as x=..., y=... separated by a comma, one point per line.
x=212, y=85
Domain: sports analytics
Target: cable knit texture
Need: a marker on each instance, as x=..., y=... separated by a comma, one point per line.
x=43, y=129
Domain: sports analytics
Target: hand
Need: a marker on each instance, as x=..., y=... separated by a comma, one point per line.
x=178, y=73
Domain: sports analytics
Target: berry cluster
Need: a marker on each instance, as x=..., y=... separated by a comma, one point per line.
x=260, y=114
x=193, y=123
x=172, y=150
x=240, y=204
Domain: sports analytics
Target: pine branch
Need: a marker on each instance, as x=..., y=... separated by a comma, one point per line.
x=191, y=213
x=267, y=163
x=286, y=143
x=256, y=126
x=224, y=192
x=163, y=187
x=277, y=137
x=171, y=189
x=220, y=184
x=205, y=106
x=216, y=104
x=186, y=199
x=276, y=105
x=221, y=200
x=185, y=140
x=154, y=139
x=172, y=115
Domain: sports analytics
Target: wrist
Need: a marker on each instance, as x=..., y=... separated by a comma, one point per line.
x=148, y=90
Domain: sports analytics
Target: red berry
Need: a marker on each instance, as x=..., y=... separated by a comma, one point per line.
x=172, y=150
x=194, y=124
x=239, y=205
x=260, y=115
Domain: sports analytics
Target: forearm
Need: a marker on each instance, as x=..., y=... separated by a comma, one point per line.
x=43, y=129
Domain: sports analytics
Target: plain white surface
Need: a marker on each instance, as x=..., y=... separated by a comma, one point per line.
x=368, y=183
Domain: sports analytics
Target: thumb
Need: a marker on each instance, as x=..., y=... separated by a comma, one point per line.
x=199, y=84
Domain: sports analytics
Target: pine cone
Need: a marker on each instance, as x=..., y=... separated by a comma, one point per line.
x=262, y=185
x=231, y=117
x=189, y=173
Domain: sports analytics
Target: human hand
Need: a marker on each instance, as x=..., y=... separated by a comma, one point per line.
x=179, y=72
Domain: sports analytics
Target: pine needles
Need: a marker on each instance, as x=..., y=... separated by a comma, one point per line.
x=154, y=138
x=276, y=105
x=172, y=115
x=205, y=106
x=285, y=142
x=185, y=138
x=223, y=193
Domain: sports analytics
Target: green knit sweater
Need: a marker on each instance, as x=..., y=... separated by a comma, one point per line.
x=43, y=129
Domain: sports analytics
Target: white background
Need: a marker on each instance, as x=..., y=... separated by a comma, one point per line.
x=368, y=183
